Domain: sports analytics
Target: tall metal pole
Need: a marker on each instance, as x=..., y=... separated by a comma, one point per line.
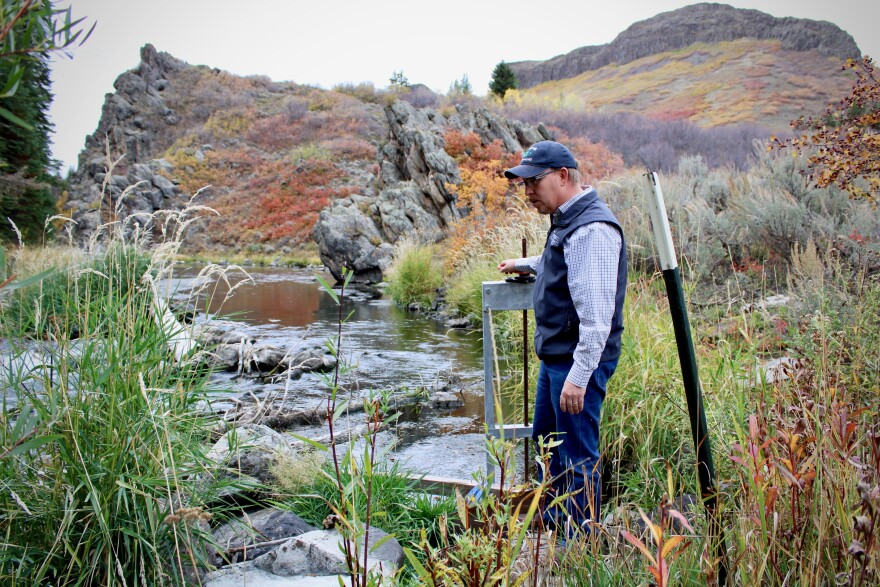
x=688, y=361
x=525, y=322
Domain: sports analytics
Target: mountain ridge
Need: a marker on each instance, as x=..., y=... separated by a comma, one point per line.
x=678, y=29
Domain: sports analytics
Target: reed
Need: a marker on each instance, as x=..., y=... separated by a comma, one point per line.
x=102, y=459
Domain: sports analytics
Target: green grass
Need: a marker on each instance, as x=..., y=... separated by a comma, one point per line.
x=101, y=453
x=415, y=274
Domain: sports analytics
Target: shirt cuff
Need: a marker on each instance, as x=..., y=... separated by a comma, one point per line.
x=523, y=264
x=579, y=376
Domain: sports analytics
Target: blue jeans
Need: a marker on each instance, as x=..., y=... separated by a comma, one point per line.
x=574, y=465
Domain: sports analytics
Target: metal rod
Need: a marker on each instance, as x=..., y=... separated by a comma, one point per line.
x=525, y=321
x=690, y=375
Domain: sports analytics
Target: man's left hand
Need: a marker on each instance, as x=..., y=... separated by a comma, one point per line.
x=572, y=398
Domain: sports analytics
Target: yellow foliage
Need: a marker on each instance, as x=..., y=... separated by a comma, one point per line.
x=229, y=123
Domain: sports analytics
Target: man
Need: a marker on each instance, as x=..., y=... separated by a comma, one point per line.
x=578, y=301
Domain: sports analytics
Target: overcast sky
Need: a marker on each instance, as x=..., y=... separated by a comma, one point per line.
x=326, y=42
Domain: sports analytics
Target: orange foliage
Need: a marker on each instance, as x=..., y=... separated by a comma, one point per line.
x=483, y=189
x=283, y=201
x=595, y=160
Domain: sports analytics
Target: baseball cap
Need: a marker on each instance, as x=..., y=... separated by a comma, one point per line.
x=540, y=156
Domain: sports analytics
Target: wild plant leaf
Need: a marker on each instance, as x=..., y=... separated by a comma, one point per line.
x=638, y=544
x=12, y=82
x=381, y=541
x=670, y=545
x=340, y=409
x=32, y=444
x=313, y=443
x=418, y=566
x=526, y=522
x=327, y=288
x=461, y=509
x=680, y=517
x=33, y=279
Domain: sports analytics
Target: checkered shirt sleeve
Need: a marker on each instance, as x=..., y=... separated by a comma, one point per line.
x=592, y=254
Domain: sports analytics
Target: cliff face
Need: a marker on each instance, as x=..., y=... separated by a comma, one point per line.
x=699, y=23
x=412, y=199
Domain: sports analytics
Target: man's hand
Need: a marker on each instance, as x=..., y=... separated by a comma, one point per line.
x=507, y=266
x=572, y=399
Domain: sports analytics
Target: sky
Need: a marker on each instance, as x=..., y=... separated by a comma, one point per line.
x=327, y=42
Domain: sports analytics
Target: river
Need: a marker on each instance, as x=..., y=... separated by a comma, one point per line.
x=388, y=348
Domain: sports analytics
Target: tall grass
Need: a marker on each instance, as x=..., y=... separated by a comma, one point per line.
x=415, y=274
x=102, y=466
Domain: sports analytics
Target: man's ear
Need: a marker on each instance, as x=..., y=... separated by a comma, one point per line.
x=564, y=175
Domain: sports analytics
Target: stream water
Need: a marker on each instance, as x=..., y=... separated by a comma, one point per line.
x=388, y=348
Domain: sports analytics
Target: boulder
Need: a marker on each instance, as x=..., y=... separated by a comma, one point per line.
x=241, y=539
x=347, y=238
x=251, y=450
x=319, y=553
x=246, y=575
x=446, y=400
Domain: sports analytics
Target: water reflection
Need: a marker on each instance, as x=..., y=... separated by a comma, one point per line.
x=390, y=347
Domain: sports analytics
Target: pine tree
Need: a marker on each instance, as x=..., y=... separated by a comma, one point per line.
x=26, y=196
x=29, y=31
x=503, y=79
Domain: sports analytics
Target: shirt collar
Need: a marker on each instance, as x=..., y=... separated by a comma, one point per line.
x=557, y=216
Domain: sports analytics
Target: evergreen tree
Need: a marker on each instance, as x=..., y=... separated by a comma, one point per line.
x=29, y=31
x=461, y=87
x=26, y=196
x=503, y=79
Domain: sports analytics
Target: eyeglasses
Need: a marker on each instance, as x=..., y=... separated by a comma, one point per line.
x=530, y=182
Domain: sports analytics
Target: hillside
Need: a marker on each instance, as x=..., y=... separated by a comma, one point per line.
x=709, y=84
x=711, y=64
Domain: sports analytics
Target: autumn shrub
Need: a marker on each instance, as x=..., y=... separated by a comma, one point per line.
x=842, y=147
x=643, y=141
x=294, y=108
x=808, y=461
x=595, y=161
x=277, y=132
x=291, y=198
x=350, y=147
x=364, y=91
x=486, y=197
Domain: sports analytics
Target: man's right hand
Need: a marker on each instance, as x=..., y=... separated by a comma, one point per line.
x=507, y=266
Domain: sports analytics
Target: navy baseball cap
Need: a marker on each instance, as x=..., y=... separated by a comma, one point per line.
x=541, y=156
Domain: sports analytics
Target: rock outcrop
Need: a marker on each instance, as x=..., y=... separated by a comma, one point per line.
x=358, y=232
x=699, y=23
x=135, y=123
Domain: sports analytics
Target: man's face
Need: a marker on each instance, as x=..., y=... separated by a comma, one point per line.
x=542, y=193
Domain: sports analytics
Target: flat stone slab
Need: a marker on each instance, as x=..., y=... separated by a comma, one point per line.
x=251, y=577
x=318, y=552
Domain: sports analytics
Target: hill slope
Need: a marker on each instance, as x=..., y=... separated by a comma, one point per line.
x=711, y=64
x=698, y=23
x=709, y=84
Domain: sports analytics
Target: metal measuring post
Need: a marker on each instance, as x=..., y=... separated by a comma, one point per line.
x=500, y=296
x=525, y=379
x=688, y=361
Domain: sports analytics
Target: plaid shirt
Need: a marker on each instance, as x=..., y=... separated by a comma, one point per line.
x=591, y=254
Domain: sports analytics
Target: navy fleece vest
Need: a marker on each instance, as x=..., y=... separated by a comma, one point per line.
x=557, y=331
